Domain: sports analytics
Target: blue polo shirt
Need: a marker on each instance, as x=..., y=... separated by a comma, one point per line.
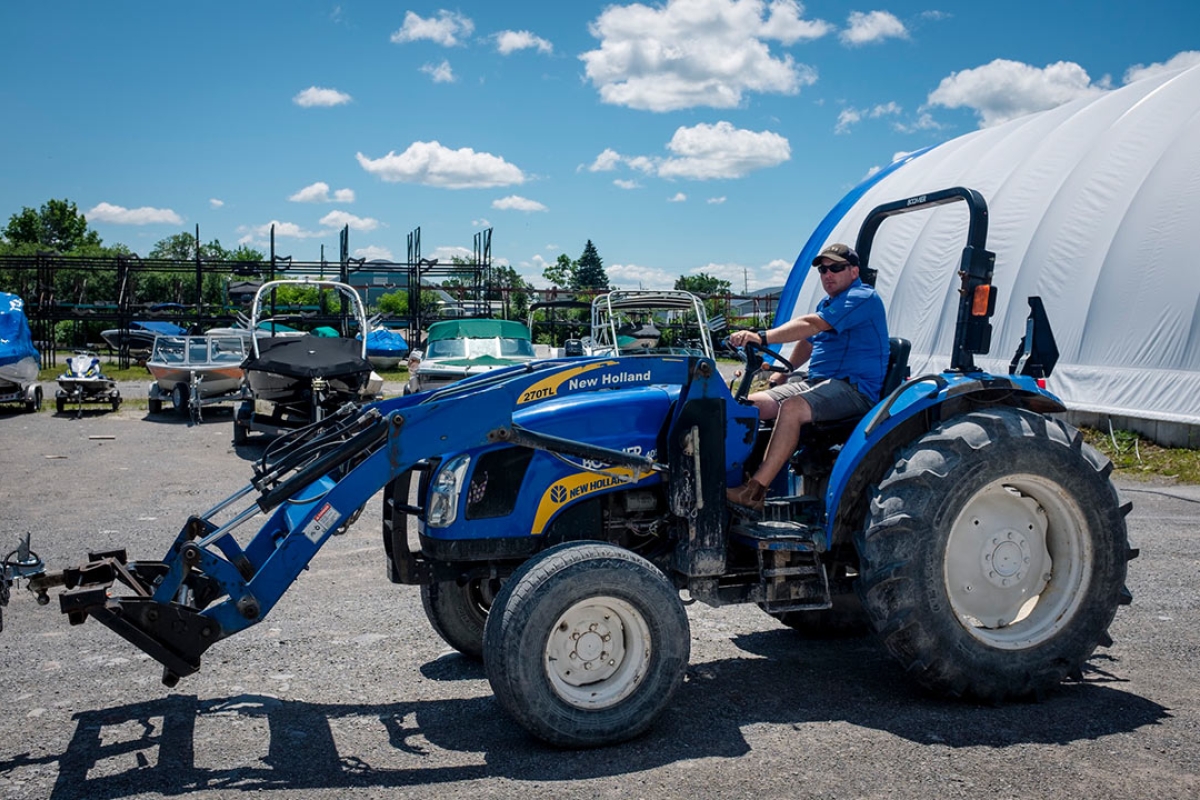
x=856, y=349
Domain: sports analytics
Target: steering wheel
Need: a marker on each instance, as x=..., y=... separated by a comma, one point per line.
x=754, y=363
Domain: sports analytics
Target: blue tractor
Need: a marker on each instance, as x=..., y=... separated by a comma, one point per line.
x=554, y=513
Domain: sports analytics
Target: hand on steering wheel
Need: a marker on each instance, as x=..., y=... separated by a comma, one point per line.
x=754, y=363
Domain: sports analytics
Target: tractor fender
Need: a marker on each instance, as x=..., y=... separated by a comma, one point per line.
x=910, y=411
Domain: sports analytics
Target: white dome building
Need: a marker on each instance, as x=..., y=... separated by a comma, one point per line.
x=1092, y=207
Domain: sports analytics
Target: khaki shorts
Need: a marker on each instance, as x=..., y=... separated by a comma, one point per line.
x=829, y=399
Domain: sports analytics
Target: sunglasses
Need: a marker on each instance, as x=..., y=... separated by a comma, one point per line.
x=834, y=268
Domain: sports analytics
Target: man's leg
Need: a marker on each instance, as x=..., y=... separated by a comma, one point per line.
x=794, y=412
x=768, y=406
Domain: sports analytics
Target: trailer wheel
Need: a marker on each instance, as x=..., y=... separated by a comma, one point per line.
x=60, y=404
x=586, y=644
x=179, y=397
x=154, y=405
x=242, y=416
x=458, y=612
x=995, y=555
x=34, y=405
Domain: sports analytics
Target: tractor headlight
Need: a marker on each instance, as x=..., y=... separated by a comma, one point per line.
x=443, y=494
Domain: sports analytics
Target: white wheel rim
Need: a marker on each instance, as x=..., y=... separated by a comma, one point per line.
x=1018, y=562
x=598, y=652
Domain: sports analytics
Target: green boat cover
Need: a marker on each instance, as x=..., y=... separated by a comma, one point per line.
x=477, y=329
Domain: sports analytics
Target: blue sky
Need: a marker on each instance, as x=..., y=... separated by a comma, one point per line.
x=680, y=137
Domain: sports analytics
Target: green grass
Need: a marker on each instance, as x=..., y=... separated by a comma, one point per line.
x=1139, y=458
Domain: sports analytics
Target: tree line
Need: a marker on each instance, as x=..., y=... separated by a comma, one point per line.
x=59, y=227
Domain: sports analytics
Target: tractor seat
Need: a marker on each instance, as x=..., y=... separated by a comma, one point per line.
x=830, y=433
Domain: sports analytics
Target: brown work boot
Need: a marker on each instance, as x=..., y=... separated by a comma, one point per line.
x=750, y=495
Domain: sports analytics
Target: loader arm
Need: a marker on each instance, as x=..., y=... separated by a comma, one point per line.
x=209, y=585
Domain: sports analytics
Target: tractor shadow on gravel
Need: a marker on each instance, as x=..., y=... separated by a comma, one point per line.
x=180, y=744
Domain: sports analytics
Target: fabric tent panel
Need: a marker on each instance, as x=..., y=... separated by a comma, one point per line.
x=1080, y=198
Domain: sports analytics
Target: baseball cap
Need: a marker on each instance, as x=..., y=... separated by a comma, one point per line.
x=839, y=253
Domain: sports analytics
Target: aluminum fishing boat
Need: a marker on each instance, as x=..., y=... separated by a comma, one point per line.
x=193, y=371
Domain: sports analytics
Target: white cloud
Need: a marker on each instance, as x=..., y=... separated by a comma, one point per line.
x=441, y=73
x=508, y=42
x=447, y=29
x=447, y=254
x=215, y=203
x=118, y=215
x=480, y=223
x=1182, y=60
x=374, y=253
x=606, y=161
x=642, y=164
x=846, y=118
x=715, y=201
x=679, y=197
x=691, y=53
x=1004, y=90
x=621, y=183
x=517, y=203
x=314, y=97
x=431, y=164
x=851, y=116
x=706, y=151
x=743, y=278
x=319, y=193
x=286, y=230
x=635, y=276
x=339, y=219
x=871, y=27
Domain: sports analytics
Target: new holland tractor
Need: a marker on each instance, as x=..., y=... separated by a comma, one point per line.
x=555, y=513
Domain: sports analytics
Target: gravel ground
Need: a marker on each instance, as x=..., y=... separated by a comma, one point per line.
x=344, y=691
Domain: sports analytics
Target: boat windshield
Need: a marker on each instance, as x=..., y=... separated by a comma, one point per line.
x=199, y=350
x=473, y=348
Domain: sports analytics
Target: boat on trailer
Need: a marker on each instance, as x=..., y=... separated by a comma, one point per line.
x=19, y=359
x=297, y=380
x=196, y=371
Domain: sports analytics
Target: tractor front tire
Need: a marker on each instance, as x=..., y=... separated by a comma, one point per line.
x=586, y=644
x=995, y=554
x=458, y=613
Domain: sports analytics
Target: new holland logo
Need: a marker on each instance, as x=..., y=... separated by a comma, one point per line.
x=549, y=387
x=572, y=488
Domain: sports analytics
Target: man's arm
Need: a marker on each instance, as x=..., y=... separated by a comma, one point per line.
x=796, y=330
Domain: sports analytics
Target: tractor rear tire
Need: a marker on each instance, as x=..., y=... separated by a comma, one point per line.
x=586, y=644
x=995, y=555
x=458, y=613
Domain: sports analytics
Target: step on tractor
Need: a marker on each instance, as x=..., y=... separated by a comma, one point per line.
x=557, y=515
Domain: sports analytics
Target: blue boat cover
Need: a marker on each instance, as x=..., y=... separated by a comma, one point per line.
x=384, y=342
x=16, y=341
x=157, y=327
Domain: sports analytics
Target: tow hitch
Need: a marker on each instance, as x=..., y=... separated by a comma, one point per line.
x=21, y=563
